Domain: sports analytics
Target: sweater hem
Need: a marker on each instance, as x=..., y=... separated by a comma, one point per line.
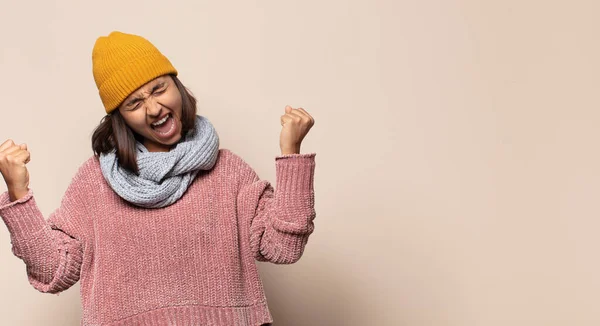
x=192, y=315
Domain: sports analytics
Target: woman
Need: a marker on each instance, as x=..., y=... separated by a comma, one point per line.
x=160, y=225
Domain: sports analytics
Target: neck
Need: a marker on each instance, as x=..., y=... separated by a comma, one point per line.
x=155, y=147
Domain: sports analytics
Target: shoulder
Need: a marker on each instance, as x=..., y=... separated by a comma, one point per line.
x=232, y=160
x=234, y=166
x=90, y=165
x=88, y=172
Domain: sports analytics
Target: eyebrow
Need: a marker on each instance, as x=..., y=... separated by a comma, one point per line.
x=139, y=98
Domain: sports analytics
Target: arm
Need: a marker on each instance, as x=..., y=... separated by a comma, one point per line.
x=52, y=250
x=281, y=219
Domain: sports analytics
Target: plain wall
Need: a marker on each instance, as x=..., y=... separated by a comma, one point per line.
x=458, y=166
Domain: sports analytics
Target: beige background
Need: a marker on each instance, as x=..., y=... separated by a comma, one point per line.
x=457, y=177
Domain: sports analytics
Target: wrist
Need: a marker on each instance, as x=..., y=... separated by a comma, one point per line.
x=286, y=152
x=290, y=150
x=16, y=194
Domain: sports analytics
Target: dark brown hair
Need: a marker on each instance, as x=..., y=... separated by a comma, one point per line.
x=113, y=132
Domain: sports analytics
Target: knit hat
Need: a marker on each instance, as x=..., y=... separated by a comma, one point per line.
x=123, y=63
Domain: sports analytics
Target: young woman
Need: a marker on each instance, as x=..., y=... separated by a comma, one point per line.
x=160, y=225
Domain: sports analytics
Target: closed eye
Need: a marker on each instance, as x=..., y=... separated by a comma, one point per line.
x=134, y=104
x=158, y=88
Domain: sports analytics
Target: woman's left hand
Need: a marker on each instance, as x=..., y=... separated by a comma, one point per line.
x=296, y=124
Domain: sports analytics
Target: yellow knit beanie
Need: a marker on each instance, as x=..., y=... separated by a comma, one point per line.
x=123, y=63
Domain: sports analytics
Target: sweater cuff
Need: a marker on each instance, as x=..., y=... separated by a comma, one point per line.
x=295, y=173
x=22, y=216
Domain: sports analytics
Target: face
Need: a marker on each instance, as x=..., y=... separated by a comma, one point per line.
x=147, y=106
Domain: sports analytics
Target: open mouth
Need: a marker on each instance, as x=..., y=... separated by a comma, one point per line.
x=166, y=126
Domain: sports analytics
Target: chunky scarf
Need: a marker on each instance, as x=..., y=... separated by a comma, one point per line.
x=164, y=176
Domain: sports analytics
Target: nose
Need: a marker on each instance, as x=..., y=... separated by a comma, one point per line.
x=153, y=108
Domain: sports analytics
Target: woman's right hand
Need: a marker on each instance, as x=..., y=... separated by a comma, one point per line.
x=13, y=158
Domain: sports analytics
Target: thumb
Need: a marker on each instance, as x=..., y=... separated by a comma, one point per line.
x=288, y=109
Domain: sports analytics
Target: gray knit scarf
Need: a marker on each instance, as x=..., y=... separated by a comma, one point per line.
x=164, y=176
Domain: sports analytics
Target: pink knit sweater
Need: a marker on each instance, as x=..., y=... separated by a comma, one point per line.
x=190, y=263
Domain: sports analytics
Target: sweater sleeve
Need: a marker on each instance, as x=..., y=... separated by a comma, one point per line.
x=281, y=219
x=52, y=249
